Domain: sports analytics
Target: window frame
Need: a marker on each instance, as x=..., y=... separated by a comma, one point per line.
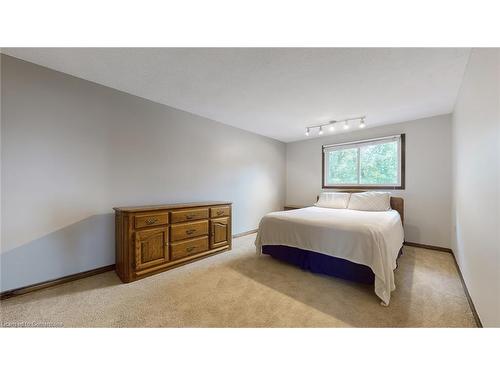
x=402, y=159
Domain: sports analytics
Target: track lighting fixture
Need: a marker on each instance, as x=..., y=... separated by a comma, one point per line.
x=331, y=125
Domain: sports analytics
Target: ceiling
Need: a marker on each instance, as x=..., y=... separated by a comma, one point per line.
x=275, y=92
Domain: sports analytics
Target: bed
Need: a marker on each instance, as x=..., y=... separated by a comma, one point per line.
x=361, y=246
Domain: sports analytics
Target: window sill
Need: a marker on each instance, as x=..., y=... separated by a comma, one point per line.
x=362, y=187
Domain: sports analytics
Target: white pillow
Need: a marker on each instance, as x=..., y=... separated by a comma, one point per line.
x=333, y=200
x=370, y=201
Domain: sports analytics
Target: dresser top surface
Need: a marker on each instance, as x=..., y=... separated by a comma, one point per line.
x=170, y=206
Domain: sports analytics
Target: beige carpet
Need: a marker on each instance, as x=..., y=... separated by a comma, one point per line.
x=239, y=289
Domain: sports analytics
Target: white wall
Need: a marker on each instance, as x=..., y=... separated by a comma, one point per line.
x=476, y=182
x=428, y=174
x=72, y=150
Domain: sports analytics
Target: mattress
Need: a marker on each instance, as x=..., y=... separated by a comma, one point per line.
x=368, y=238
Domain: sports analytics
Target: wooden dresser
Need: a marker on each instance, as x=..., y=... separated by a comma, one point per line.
x=152, y=239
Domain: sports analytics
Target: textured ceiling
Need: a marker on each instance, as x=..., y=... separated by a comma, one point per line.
x=275, y=92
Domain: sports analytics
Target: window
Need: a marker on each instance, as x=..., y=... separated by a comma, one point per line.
x=370, y=164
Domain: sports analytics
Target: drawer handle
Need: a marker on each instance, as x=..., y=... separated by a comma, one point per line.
x=190, y=231
x=151, y=220
x=220, y=212
x=188, y=217
x=189, y=249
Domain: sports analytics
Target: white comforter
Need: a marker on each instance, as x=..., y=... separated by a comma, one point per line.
x=370, y=238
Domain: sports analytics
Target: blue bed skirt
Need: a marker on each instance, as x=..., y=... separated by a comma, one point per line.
x=320, y=263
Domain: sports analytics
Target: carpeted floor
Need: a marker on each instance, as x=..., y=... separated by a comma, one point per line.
x=239, y=289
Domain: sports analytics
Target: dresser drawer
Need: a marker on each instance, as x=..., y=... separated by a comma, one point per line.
x=188, y=215
x=150, y=220
x=188, y=230
x=189, y=247
x=219, y=211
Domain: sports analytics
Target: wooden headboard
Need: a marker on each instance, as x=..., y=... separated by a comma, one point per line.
x=397, y=203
